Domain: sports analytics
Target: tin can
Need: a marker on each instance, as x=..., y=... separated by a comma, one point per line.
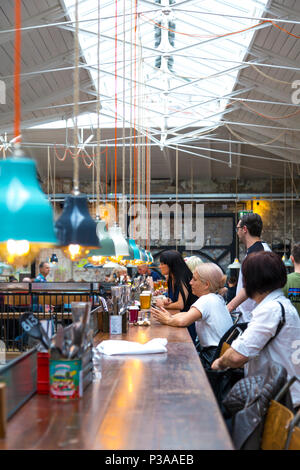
x=65, y=379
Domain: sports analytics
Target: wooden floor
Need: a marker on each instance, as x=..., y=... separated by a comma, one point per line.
x=156, y=401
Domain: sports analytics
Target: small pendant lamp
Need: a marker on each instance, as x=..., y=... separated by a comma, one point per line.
x=53, y=259
x=121, y=245
x=75, y=228
x=235, y=265
x=22, y=205
x=144, y=256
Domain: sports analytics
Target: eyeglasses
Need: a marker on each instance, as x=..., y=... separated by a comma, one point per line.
x=238, y=227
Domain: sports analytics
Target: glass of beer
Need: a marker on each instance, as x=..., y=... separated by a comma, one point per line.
x=145, y=300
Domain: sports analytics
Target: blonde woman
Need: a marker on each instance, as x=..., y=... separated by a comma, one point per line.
x=209, y=311
x=193, y=262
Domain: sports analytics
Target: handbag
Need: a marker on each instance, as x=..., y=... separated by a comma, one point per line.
x=223, y=381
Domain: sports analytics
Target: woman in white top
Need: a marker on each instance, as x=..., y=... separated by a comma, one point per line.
x=264, y=276
x=209, y=311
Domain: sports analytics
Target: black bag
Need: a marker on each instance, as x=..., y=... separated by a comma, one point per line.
x=222, y=381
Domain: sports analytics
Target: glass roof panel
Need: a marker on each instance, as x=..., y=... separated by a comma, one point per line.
x=166, y=66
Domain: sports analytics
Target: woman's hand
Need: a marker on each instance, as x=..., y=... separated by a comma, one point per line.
x=161, y=314
x=163, y=302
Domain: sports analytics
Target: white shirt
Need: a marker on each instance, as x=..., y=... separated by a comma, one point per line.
x=283, y=349
x=215, y=321
x=248, y=305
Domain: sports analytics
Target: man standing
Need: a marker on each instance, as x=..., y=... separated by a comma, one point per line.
x=248, y=230
x=292, y=288
x=44, y=271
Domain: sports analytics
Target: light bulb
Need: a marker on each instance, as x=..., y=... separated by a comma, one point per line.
x=97, y=260
x=75, y=252
x=19, y=252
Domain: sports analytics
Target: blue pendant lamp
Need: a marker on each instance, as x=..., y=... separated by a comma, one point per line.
x=75, y=228
x=26, y=213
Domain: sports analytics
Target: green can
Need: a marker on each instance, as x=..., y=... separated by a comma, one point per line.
x=65, y=379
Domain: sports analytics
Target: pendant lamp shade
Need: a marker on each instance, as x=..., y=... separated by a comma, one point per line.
x=150, y=257
x=27, y=223
x=106, y=243
x=121, y=245
x=143, y=254
x=235, y=265
x=134, y=252
x=75, y=228
x=53, y=259
x=287, y=261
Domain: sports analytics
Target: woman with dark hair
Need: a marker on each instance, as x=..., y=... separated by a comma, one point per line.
x=273, y=332
x=180, y=296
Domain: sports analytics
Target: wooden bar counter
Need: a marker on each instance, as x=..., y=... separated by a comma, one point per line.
x=156, y=401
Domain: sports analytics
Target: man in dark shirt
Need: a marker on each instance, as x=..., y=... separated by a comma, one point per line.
x=248, y=230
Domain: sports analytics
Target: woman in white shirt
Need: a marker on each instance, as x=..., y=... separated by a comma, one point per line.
x=209, y=311
x=264, y=276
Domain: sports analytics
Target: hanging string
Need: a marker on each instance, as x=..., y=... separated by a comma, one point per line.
x=98, y=159
x=284, y=206
x=116, y=102
x=123, y=130
x=131, y=105
x=208, y=36
x=176, y=201
x=192, y=191
x=291, y=168
x=76, y=100
x=269, y=76
x=134, y=120
x=17, y=71
x=238, y=136
x=48, y=171
x=272, y=118
x=271, y=209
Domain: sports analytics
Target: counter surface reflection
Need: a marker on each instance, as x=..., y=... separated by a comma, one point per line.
x=157, y=401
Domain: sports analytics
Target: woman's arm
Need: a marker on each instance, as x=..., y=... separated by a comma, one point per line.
x=180, y=319
x=237, y=300
x=179, y=304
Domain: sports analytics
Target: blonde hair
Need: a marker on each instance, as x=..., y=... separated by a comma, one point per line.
x=213, y=274
x=193, y=262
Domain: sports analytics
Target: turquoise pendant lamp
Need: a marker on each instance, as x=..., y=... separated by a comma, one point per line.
x=134, y=252
x=107, y=244
x=27, y=223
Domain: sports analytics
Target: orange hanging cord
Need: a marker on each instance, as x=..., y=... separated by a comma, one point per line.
x=17, y=70
x=116, y=102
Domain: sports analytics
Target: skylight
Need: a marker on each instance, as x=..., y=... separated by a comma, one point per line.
x=171, y=73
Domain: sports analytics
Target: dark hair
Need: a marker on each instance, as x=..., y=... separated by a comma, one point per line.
x=42, y=264
x=179, y=269
x=263, y=272
x=253, y=223
x=12, y=279
x=296, y=252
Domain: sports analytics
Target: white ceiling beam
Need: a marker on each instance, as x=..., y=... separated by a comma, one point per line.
x=266, y=90
x=259, y=136
x=276, y=58
x=49, y=99
x=275, y=9
x=25, y=124
x=34, y=20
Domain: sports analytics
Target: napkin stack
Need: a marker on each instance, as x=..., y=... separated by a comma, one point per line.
x=114, y=347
